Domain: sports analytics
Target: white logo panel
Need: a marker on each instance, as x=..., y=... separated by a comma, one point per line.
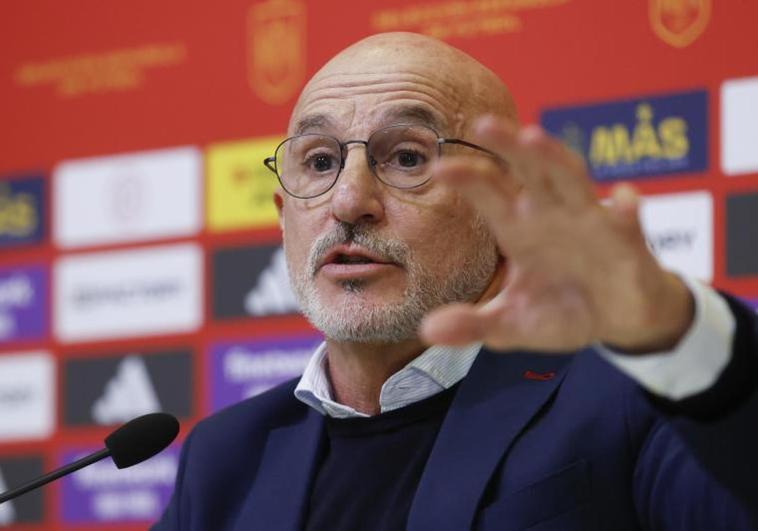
x=739, y=126
x=679, y=230
x=27, y=394
x=128, y=293
x=129, y=197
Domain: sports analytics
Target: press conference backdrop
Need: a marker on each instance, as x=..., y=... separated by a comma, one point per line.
x=140, y=259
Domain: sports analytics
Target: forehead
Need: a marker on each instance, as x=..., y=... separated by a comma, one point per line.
x=398, y=112
x=349, y=98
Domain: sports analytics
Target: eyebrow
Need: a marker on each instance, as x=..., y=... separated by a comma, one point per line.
x=414, y=114
x=313, y=121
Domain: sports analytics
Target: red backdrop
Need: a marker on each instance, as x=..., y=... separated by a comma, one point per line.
x=91, y=79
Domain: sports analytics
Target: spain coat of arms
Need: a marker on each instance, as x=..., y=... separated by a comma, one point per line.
x=679, y=22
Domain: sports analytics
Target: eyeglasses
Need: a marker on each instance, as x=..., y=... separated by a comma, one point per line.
x=399, y=155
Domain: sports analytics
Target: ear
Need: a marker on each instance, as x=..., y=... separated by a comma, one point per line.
x=279, y=202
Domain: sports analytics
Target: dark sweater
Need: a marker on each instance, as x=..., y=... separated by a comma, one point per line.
x=371, y=467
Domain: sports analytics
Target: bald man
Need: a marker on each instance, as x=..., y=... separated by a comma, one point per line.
x=443, y=251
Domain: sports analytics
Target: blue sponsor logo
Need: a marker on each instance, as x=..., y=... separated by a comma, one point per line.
x=243, y=369
x=22, y=211
x=636, y=138
x=23, y=303
x=101, y=493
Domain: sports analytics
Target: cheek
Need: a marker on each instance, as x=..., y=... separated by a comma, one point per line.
x=438, y=234
x=299, y=230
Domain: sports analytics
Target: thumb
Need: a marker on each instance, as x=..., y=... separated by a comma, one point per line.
x=625, y=205
x=453, y=324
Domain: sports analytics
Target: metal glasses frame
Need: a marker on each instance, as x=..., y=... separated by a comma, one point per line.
x=270, y=162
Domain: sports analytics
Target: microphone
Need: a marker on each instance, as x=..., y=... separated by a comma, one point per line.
x=134, y=442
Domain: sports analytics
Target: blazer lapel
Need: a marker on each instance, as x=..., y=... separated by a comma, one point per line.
x=495, y=402
x=279, y=497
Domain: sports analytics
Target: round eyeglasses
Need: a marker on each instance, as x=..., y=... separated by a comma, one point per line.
x=399, y=155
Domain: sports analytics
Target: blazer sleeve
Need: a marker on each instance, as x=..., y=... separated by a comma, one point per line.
x=719, y=426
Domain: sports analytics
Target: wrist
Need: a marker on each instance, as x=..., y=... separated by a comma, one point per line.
x=667, y=318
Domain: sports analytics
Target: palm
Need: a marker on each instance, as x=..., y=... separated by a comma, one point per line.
x=577, y=272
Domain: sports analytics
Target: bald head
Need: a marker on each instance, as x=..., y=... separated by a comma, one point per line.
x=407, y=66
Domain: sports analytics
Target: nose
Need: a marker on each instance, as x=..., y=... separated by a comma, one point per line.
x=357, y=195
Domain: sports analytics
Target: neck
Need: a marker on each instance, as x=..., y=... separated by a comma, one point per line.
x=357, y=371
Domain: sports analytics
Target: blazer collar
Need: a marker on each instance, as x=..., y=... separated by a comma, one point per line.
x=496, y=401
x=279, y=497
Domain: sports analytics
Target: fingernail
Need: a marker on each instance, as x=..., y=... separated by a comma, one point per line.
x=531, y=132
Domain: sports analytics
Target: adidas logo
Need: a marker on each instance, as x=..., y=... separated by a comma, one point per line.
x=272, y=293
x=130, y=393
x=7, y=511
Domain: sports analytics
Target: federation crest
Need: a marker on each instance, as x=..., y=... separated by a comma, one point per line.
x=679, y=22
x=276, y=49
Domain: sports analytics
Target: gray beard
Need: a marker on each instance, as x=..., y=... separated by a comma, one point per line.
x=360, y=321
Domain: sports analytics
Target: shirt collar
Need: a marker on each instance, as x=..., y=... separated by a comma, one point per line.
x=437, y=368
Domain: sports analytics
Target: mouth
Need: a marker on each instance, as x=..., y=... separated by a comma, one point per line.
x=351, y=255
x=346, y=261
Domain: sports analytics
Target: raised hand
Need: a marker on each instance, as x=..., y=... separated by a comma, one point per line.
x=577, y=271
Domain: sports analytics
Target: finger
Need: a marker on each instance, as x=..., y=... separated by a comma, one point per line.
x=562, y=171
x=625, y=203
x=453, y=324
x=463, y=324
x=502, y=137
x=551, y=172
x=490, y=191
x=463, y=170
x=624, y=206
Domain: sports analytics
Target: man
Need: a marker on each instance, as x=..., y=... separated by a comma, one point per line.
x=464, y=230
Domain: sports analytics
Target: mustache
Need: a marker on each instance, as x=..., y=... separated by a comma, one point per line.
x=388, y=249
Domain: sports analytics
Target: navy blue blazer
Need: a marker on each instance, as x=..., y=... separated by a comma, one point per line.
x=530, y=442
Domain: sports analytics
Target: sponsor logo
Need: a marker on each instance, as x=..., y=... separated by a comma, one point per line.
x=276, y=49
x=247, y=368
x=112, y=389
x=14, y=472
x=679, y=231
x=27, y=394
x=22, y=210
x=739, y=126
x=103, y=493
x=123, y=198
x=127, y=395
x=741, y=234
x=679, y=22
x=127, y=293
x=23, y=303
x=240, y=187
x=634, y=138
x=251, y=281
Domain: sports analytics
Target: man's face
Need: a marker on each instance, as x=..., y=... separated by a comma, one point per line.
x=366, y=260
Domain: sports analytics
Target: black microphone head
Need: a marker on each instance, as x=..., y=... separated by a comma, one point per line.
x=141, y=438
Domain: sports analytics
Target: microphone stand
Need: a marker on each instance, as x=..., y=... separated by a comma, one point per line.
x=55, y=474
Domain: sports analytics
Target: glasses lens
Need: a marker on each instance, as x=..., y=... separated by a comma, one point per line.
x=308, y=164
x=402, y=155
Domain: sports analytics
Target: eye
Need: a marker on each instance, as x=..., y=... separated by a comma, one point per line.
x=409, y=159
x=320, y=162
x=406, y=158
